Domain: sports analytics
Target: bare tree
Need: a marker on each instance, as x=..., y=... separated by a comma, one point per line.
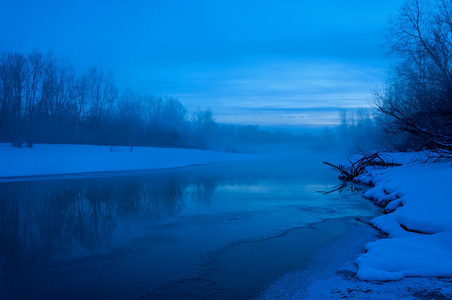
x=130, y=118
x=101, y=92
x=418, y=97
x=174, y=115
x=203, y=121
x=153, y=107
x=14, y=75
x=204, y=127
x=34, y=93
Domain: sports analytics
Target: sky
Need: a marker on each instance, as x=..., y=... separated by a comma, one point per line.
x=288, y=63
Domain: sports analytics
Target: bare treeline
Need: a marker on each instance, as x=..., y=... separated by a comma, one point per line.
x=44, y=100
x=417, y=100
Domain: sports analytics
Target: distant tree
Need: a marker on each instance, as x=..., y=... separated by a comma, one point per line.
x=81, y=107
x=46, y=110
x=417, y=100
x=43, y=100
x=165, y=121
x=68, y=106
x=13, y=80
x=357, y=130
x=129, y=116
x=203, y=120
x=152, y=109
x=101, y=93
x=249, y=133
x=34, y=93
x=204, y=127
x=174, y=115
x=345, y=130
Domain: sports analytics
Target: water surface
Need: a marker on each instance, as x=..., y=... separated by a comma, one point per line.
x=220, y=231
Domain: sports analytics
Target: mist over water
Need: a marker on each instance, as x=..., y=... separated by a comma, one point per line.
x=290, y=83
x=220, y=231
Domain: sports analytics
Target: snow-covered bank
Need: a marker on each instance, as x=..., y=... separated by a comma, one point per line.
x=418, y=201
x=45, y=159
x=332, y=275
x=418, y=250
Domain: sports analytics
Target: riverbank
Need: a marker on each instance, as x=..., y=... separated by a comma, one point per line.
x=417, y=201
x=332, y=275
x=408, y=252
x=45, y=159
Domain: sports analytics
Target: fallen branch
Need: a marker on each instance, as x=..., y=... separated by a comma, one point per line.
x=350, y=172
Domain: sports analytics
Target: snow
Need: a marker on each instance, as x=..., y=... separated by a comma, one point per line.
x=332, y=275
x=44, y=159
x=414, y=260
x=416, y=197
x=418, y=203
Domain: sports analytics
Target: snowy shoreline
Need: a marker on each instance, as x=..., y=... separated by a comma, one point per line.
x=48, y=160
x=413, y=262
x=417, y=203
x=415, y=196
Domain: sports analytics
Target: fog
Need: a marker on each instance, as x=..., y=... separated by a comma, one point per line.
x=199, y=75
x=105, y=107
x=44, y=99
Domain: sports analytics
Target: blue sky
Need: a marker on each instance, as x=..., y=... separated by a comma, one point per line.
x=286, y=62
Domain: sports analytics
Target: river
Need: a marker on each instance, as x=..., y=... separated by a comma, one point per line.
x=221, y=231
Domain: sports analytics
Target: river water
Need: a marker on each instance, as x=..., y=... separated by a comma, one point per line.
x=222, y=231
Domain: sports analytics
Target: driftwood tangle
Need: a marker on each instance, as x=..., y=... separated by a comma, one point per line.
x=350, y=172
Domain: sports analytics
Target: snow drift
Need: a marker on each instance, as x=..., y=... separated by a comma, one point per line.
x=418, y=202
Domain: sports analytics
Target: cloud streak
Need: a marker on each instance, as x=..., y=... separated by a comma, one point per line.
x=218, y=54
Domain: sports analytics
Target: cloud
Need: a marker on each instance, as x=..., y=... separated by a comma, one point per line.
x=276, y=90
x=218, y=54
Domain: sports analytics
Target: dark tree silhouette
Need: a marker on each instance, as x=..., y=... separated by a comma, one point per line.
x=44, y=100
x=417, y=101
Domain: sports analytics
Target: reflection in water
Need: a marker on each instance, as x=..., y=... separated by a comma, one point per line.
x=344, y=187
x=41, y=221
x=220, y=231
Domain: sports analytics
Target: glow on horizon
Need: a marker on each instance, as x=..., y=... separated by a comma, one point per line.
x=258, y=62
x=282, y=93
